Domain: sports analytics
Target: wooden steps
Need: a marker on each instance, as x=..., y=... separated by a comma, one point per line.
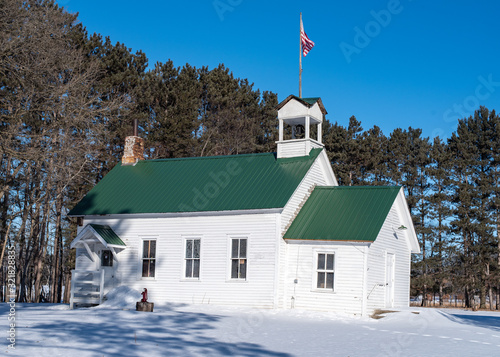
x=87, y=287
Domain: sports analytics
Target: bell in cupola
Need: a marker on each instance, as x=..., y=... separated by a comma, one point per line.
x=299, y=115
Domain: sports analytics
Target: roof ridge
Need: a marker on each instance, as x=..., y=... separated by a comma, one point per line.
x=99, y=225
x=309, y=102
x=358, y=187
x=209, y=157
x=287, y=159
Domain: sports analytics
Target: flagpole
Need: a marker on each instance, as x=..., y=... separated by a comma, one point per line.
x=300, y=58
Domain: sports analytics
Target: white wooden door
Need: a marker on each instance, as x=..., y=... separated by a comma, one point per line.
x=109, y=271
x=389, y=280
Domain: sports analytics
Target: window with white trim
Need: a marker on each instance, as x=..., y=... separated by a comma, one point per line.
x=148, y=258
x=239, y=258
x=325, y=271
x=106, y=258
x=192, y=258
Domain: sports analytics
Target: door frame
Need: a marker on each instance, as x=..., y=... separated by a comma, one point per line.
x=390, y=262
x=110, y=280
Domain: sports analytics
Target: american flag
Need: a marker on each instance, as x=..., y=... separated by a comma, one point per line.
x=307, y=44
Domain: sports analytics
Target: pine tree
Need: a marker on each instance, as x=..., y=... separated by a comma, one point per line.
x=495, y=208
x=473, y=182
x=439, y=212
x=408, y=161
x=172, y=98
x=374, y=155
x=234, y=117
x=344, y=151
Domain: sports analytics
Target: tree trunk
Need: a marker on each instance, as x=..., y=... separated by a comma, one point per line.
x=498, y=257
x=467, y=298
x=56, y=274
x=4, y=281
x=490, y=296
x=40, y=258
x=498, y=297
x=67, y=287
x=482, y=293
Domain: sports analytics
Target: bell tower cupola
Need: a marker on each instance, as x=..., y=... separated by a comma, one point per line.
x=298, y=118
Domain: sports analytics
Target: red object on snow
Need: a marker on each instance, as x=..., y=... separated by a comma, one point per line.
x=144, y=295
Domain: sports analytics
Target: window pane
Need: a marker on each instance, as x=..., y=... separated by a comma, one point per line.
x=321, y=280
x=145, y=249
x=189, y=248
x=196, y=268
x=106, y=258
x=243, y=248
x=329, y=280
x=329, y=261
x=152, y=268
x=243, y=269
x=145, y=268
x=321, y=261
x=196, y=250
x=234, y=248
x=152, y=249
x=234, y=269
x=189, y=268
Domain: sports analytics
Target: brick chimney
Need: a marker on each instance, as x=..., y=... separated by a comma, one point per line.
x=134, y=148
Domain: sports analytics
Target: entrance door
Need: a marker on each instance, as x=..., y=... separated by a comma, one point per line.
x=389, y=280
x=107, y=264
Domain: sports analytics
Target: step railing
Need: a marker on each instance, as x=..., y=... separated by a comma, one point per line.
x=87, y=287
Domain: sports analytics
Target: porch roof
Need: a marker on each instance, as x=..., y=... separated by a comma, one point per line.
x=101, y=233
x=107, y=234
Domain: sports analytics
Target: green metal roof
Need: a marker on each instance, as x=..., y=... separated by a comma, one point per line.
x=107, y=234
x=306, y=101
x=217, y=183
x=311, y=100
x=354, y=213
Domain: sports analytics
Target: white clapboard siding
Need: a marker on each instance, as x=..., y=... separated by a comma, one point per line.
x=214, y=285
x=297, y=147
x=348, y=292
x=314, y=177
x=393, y=241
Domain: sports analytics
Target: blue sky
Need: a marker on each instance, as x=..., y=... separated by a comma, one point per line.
x=417, y=63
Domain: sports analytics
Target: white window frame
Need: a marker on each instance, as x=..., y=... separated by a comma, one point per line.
x=141, y=251
x=230, y=258
x=315, y=270
x=185, y=259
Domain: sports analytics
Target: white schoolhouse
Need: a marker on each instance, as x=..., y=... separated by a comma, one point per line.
x=267, y=230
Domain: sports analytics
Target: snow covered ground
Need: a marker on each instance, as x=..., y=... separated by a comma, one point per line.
x=116, y=329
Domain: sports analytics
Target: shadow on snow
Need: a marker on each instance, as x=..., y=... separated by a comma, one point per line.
x=99, y=331
x=489, y=322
